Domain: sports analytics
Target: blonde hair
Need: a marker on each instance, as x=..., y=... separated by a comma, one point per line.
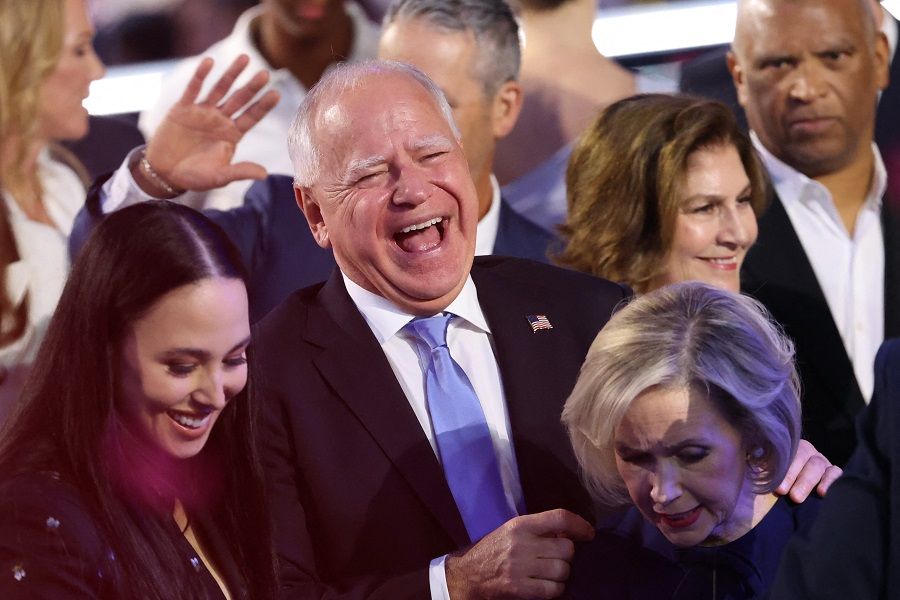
x=696, y=336
x=31, y=41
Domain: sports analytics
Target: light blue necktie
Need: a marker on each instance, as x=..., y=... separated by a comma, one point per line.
x=461, y=431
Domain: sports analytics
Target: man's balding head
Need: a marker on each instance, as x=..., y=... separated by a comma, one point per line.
x=808, y=73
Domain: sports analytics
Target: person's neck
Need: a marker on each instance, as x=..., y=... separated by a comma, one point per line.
x=11, y=151
x=543, y=31
x=850, y=185
x=752, y=508
x=305, y=58
x=485, y=190
x=20, y=171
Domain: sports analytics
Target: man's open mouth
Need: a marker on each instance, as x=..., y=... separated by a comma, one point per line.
x=421, y=237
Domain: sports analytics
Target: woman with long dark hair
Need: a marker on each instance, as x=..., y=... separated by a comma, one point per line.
x=129, y=470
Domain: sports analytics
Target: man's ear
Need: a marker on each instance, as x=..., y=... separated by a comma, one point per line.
x=309, y=206
x=738, y=77
x=506, y=108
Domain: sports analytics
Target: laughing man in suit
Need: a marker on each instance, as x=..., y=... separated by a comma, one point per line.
x=359, y=492
x=363, y=484
x=826, y=260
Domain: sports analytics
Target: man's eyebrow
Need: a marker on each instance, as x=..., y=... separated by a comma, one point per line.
x=430, y=141
x=361, y=165
x=774, y=55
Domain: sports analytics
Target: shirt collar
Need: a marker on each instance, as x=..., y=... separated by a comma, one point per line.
x=486, y=235
x=792, y=185
x=241, y=39
x=889, y=29
x=386, y=319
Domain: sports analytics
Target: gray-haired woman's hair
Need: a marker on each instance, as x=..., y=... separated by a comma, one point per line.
x=342, y=79
x=688, y=335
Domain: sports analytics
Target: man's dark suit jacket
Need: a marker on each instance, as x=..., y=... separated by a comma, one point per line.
x=778, y=273
x=708, y=76
x=853, y=550
x=359, y=499
x=279, y=250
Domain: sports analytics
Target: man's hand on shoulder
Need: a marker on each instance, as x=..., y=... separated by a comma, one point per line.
x=526, y=557
x=809, y=470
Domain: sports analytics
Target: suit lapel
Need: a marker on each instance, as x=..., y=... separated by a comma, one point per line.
x=778, y=272
x=356, y=367
x=537, y=375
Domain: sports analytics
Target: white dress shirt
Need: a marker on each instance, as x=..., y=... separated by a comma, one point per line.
x=266, y=142
x=849, y=267
x=470, y=344
x=889, y=29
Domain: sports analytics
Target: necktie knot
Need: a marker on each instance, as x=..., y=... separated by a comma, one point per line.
x=431, y=330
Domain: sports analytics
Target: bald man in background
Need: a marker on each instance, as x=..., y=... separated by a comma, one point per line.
x=808, y=75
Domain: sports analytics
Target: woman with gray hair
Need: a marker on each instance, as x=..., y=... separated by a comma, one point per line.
x=687, y=407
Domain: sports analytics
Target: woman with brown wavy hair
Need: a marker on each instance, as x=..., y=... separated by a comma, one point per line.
x=662, y=189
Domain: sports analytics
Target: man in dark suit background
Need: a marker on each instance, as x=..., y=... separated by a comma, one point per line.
x=826, y=260
x=853, y=549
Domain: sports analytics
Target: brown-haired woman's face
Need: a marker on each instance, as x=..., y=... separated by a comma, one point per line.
x=715, y=224
x=182, y=362
x=60, y=112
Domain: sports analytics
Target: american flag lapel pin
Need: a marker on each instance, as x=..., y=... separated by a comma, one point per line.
x=538, y=322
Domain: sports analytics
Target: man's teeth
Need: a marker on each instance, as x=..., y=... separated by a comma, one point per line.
x=427, y=223
x=189, y=422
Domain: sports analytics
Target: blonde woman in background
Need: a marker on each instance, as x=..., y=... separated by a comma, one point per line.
x=47, y=68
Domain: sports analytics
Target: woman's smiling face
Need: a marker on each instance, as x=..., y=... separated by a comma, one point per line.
x=60, y=112
x=715, y=224
x=181, y=363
